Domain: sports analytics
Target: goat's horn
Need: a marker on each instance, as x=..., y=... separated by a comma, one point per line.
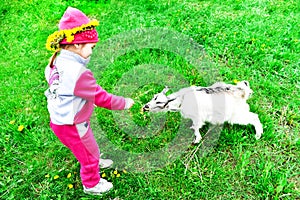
x=165, y=90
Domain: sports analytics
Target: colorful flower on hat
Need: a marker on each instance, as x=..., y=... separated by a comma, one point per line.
x=53, y=41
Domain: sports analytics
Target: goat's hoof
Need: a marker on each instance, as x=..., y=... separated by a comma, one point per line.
x=196, y=141
x=257, y=137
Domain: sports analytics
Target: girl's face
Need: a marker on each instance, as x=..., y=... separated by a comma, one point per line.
x=85, y=50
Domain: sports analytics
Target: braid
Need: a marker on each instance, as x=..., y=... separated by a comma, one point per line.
x=53, y=58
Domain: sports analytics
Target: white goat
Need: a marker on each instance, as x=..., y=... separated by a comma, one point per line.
x=215, y=104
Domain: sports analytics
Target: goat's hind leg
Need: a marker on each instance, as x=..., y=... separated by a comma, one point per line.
x=249, y=118
x=196, y=126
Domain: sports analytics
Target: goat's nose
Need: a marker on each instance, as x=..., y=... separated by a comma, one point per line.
x=146, y=108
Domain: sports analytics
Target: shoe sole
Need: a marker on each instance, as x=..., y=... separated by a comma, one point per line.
x=97, y=193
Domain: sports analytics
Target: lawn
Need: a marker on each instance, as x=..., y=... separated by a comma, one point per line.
x=145, y=45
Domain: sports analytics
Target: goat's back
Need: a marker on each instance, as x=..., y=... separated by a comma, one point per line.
x=215, y=107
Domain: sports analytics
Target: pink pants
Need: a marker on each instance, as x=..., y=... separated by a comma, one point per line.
x=83, y=145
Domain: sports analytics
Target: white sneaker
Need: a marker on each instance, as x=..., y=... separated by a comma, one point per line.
x=105, y=163
x=102, y=187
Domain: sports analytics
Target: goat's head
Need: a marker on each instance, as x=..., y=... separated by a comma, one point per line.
x=246, y=88
x=158, y=103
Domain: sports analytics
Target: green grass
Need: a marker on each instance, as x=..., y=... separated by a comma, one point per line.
x=258, y=41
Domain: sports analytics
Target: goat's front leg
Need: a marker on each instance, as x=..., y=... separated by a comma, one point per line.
x=249, y=118
x=258, y=126
x=196, y=126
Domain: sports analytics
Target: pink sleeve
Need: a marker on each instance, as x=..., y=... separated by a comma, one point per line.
x=87, y=88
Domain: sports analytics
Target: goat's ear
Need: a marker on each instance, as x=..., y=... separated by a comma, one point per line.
x=165, y=90
x=246, y=83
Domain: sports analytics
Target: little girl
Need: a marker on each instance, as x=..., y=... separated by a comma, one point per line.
x=73, y=92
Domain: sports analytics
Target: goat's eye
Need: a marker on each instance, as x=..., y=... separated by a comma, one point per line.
x=159, y=102
x=246, y=83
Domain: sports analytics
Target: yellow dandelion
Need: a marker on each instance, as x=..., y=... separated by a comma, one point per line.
x=12, y=122
x=21, y=127
x=55, y=38
x=118, y=175
x=75, y=30
x=47, y=176
x=70, y=186
x=94, y=22
x=124, y=171
x=236, y=81
x=103, y=175
x=69, y=175
x=115, y=172
x=70, y=38
x=55, y=177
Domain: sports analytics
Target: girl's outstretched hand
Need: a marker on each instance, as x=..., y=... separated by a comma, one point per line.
x=128, y=103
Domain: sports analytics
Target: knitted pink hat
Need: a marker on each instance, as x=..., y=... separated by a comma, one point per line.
x=74, y=28
x=73, y=18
